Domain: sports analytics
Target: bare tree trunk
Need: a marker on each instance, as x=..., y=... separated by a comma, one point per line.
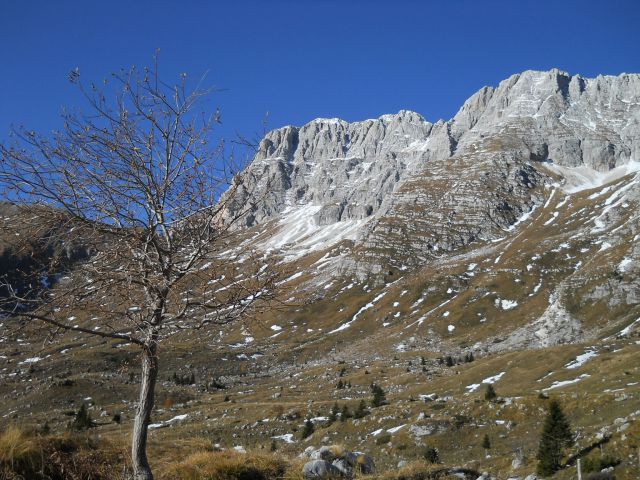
x=141, y=468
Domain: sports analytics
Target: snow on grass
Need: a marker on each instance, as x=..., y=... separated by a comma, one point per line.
x=586, y=178
x=166, y=423
x=522, y=219
x=505, y=304
x=369, y=305
x=292, y=277
x=536, y=288
x=625, y=264
x=300, y=234
x=581, y=359
x=494, y=378
x=287, y=438
x=546, y=204
x=489, y=380
x=563, y=383
x=396, y=429
x=604, y=246
x=627, y=330
x=554, y=215
x=424, y=317
x=30, y=360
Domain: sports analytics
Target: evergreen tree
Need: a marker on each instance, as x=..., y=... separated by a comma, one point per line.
x=422, y=361
x=308, y=429
x=486, y=443
x=431, y=455
x=83, y=420
x=340, y=385
x=333, y=414
x=345, y=413
x=46, y=429
x=361, y=411
x=449, y=361
x=556, y=436
x=490, y=394
x=379, y=397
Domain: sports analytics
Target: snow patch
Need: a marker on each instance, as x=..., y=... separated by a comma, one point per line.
x=581, y=359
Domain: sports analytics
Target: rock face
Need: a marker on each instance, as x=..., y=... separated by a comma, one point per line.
x=404, y=188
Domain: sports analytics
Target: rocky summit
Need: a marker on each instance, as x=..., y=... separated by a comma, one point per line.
x=403, y=183
x=500, y=247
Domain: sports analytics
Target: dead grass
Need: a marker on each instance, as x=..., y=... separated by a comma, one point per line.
x=17, y=450
x=227, y=465
x=63, y=457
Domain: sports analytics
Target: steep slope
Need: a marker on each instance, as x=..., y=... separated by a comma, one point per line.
x=404, y=188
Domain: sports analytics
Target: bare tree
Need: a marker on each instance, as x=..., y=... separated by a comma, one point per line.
x=137, y=184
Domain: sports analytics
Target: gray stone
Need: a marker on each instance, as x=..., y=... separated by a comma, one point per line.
x=320, y=469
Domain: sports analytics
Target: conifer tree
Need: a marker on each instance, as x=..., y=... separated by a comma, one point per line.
x=361, y=411
x=308, y=429
x=333, y=414
x=486, y=443
x=556, y=436
x=490, y=394
x=345, y=413
x=431, y=455
x=82, y=421
x=379, y=397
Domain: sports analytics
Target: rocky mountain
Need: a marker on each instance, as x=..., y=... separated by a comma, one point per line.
x=403, y=183
x=499, y=247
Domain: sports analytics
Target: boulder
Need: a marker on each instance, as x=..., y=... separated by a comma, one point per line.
x=320, y=469
x=345, y=467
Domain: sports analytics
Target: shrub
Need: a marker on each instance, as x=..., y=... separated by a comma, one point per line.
x=595, y=464
x=383, y=439
x=601, y=476
x=486, y=443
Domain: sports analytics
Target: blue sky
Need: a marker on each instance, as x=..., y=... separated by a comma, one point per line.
x=302, y=59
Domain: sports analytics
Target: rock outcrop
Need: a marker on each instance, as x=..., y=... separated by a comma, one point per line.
x=404, y=188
